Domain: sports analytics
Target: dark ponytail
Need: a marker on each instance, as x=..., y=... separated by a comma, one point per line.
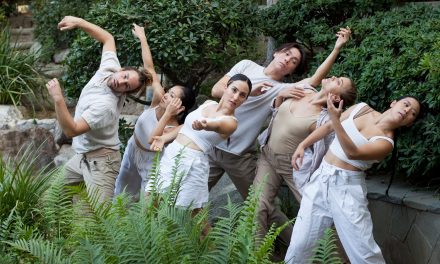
x=188, y=100
x=394, y=156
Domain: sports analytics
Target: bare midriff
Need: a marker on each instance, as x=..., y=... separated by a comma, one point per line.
x=335, y=161
x=186, y=141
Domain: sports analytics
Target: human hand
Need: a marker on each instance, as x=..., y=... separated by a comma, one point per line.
x=69, y=22
x=343, y=37
x=174, y=107
x=297, y=157
x=292, y=92
x=138, y=31
x=335, y=113
x=158, y=143
x=54, y=89
x=200, y=124
x=260, y=88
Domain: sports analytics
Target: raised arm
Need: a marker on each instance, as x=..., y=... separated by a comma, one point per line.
x=71, y=127
x=147, y=58
x=376, y=150
x=220, y=86
x=323, y=70
x=96, y=32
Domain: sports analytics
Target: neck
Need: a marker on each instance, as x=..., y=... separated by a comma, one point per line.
x=223, y=109
x=159, y=112
x=272, y=73
x=382, y=121
x=319, y=98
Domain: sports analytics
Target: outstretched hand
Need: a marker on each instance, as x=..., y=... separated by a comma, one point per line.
x=335, y=113
x=343, y=37
x=69, y=22
x=260, y=88
x=138, y=31
x=200, y=124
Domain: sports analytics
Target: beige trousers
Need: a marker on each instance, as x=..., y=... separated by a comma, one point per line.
x=97, y=172
x=272, y=170
x=240, y=169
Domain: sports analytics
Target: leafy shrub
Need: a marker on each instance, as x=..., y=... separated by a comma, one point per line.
x=392, y=53
x=125, y=131
x=47, y=14
x=188, y=39
x=311, y=21
x=19, y=79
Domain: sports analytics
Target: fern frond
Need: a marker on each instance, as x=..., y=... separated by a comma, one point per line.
x=45, y=251
x=326, y=251
x=88, y=253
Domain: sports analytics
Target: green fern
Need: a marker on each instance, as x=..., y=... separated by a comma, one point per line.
x=45, y=251
x=326, y=251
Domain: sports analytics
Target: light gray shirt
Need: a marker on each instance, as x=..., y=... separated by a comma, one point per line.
x=100, y=107
x=253, y=113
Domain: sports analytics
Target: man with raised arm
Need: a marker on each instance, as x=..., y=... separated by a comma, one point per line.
x=94, y=127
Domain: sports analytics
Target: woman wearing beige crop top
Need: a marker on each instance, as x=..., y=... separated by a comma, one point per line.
x=336, y=192
x=292, y=122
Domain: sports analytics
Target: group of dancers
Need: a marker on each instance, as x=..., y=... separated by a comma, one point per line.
x=319, y=150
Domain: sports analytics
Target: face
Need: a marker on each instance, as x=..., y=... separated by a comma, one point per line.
x=335, y=85
x=235, y=94
x=123, y=81
x=286, y=61
x=173, y=92
x=405, y=111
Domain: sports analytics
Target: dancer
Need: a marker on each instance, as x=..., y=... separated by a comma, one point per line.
x=336, y=192
x=95, y=126
x=203, y=129
x=167, y=111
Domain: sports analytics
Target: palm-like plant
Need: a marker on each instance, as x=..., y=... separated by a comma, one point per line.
x=326, y=251
x=19, y=78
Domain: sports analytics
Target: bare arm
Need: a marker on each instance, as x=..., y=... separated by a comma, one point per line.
x=220, y=87
x=96, y=32
x=147, y=58
x=70, y=127
x=376, y=150
x=160, y=141
x=326, y=66
x=223, y=126
x=173, y=109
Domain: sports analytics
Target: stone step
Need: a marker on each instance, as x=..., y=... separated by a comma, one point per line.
x=22, y=31
x=22, y=45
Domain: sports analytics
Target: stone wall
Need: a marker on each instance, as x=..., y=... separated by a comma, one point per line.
x=406, y=223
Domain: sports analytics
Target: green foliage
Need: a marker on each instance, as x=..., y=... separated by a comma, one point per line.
x=396, y=53
x=326, y=251
x=150, y=231
x=311, y=21
x=47, y=14
x=125, y=131
x=188, y=39
x=393, y=52
x=19, y=78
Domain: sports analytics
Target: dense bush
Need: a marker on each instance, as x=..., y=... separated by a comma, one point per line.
x=47, y=14
x=19, y=79
x=393, y=53
x=188, y=39
x=310, y=21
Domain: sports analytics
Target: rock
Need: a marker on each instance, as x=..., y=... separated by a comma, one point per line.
x=65, y=153
x=39, y=141
x=9, y=115
x=59, y=136
x=60, y=56
x=36, y=48
x=218, y=197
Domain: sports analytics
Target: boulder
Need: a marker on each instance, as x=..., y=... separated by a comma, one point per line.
x=38, y=140
x=65, y=153
x=9, y=115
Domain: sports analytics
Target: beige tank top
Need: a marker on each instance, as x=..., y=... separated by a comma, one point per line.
x=289, y=130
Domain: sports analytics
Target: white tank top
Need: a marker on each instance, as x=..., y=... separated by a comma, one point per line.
x=145, y=124
x=205, y=140
x=357, y=138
